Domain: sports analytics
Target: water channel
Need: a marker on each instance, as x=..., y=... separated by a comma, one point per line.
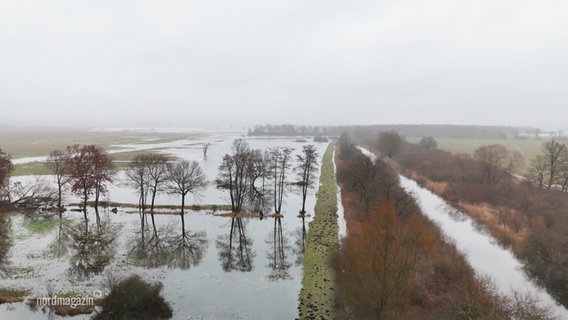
x=481, y=250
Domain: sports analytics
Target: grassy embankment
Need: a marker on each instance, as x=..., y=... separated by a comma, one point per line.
x=317, y=296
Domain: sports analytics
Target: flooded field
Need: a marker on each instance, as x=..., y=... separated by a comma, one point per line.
x=224, y=268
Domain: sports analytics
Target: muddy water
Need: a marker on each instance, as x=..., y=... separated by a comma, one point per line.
x=235, y=269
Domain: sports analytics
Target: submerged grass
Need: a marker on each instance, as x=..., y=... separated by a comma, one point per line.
x=317, y=296
x=43, y=225
x=31, y=142
x=12, y=295
x=194, y=207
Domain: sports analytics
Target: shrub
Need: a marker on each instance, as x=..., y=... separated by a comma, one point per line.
x=134, y=298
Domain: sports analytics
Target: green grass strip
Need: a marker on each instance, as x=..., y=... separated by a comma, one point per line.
x=317, y=296
x=43, y=225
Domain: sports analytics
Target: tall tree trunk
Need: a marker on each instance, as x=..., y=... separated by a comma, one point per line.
x=85, y=198
x=97, y=194
x=182, y=216
x=152, y=213
x=59, y=193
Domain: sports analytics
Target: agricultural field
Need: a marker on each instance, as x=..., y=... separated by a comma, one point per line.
x=529, y=148
x=28, y=147
x=221, y=266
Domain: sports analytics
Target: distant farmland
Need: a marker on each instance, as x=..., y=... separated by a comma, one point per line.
x=529, y=148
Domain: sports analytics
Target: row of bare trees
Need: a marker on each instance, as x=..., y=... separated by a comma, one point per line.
x=88, y=169
x=253, y=177
x=151, y=174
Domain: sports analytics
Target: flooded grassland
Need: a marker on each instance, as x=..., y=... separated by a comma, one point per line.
x=222, y=267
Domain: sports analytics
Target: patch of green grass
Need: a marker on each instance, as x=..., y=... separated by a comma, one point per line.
x=317, y=296
x=31, y=168
x=22, y=272
x=43, y=225
x=73, y=294
x=12, y=295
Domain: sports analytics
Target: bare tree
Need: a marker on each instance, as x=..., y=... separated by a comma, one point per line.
x=563, y=175
x=279, y=159
x=6, y=167
x=185, y=177
x=553, y=152
x=103, y=170
x=496, y=162
x=306, y=169
x=57, y=165
x=138, y=178
x=538, y=169
x=157, y=166
x=389, y=142
x=361, y=176
x=31, y=196
x=89, y=171
x=233, y=174
x=428, y=142
x=257, y=172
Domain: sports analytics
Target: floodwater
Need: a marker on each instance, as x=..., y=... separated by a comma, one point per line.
x=227, y=268
x=342, y=231
x=481, y=250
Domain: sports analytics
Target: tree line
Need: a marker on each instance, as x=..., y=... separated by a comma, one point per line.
x=255, y=180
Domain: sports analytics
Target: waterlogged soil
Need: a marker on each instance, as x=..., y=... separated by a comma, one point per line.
x=224, y=268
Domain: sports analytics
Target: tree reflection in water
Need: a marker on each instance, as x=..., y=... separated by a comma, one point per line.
x=148, y=249
x=186, y=250
x=235, y=251
x=164, y=248
x=93, y=248
x=277, y=256
x=300, y=243
x=60, y=245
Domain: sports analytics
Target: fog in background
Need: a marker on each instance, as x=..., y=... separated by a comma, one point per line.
x=238, y=63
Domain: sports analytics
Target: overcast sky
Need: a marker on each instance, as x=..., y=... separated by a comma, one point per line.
x=234, y=62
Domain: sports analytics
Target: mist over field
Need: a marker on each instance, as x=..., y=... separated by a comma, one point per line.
x=212, y=64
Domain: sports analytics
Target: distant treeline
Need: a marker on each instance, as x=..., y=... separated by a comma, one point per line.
x=408, y=130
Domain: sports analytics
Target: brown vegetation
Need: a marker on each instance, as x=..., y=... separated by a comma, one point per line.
x=12, y=295
x=395, y=264
x=530, y=219
x=134, y=298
